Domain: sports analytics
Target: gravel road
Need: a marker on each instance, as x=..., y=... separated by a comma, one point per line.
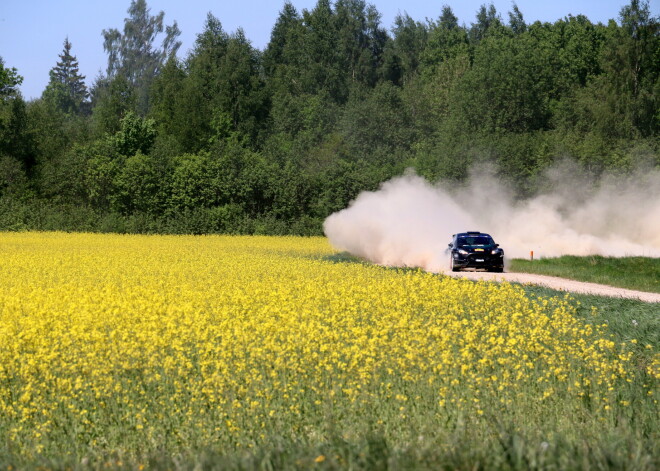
x=561, y=284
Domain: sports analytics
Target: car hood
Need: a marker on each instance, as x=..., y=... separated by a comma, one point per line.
x=478, y=248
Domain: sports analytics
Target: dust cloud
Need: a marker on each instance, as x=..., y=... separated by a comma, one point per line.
x=408, y=221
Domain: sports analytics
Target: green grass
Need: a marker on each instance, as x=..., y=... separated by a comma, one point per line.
x=639, y=273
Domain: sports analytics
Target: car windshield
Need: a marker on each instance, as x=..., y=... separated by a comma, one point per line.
x=476, y=240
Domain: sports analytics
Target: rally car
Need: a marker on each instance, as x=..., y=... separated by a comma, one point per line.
x=475, y=249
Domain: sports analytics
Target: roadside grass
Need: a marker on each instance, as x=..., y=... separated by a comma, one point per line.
x=639, y=273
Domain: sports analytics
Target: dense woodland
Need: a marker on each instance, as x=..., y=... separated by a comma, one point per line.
x=235, y=139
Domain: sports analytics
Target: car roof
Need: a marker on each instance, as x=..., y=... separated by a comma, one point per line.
x=472, y=233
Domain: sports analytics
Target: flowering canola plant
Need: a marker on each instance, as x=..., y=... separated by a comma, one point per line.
x=114, y=341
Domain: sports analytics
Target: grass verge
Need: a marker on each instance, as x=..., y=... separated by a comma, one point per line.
x=639, y=273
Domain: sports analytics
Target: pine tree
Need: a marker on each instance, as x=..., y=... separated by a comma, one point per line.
x=66, y=88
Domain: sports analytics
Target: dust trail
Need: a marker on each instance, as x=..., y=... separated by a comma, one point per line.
x=409, y=221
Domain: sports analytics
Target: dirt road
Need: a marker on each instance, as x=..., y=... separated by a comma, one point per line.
x=561, y=284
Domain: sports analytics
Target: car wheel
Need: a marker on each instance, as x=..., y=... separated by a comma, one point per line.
x=452, y=267
x=497, y=270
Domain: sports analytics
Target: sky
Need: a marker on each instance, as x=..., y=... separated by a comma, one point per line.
x=32, y=32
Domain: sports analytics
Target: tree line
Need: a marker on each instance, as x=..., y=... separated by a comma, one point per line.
x=240, y=140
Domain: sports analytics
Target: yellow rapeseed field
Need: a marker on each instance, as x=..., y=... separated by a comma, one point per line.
x=127, y=342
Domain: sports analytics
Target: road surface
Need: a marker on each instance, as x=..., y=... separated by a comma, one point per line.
x=561, y=284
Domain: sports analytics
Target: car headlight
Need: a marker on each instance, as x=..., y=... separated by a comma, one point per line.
x=463, y=251
x=497, y=252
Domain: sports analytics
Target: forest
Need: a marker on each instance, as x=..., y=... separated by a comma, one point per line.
x=233, y=139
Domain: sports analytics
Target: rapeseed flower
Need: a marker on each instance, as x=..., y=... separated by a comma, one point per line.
x=214, y=339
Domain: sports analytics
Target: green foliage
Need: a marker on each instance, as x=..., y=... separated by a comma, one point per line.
x=111, y=100
x=132, y=54
x=332, y=106
x=506, y=89
x=190, y=183
x=240, y=177
x=516, y=21
x=167, y=100
x=15, y=140
x=17, y=214
x=101, y=176
x=377, y=124
x=9, y=81
x=64, y=178
x=54, y=132
x=136, y=135
x=321, y=70
x=221, y=92
x=361, y=40
x=402, y=55
x=13, y=181
x=488, y=23
x=66, y=89
x=240, y=88
x=446, y=41
x=139, y=185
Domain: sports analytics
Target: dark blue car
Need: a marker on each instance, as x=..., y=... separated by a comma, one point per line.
x=475, y=249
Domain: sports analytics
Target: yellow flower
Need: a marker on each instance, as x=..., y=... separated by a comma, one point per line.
x=229, y=336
